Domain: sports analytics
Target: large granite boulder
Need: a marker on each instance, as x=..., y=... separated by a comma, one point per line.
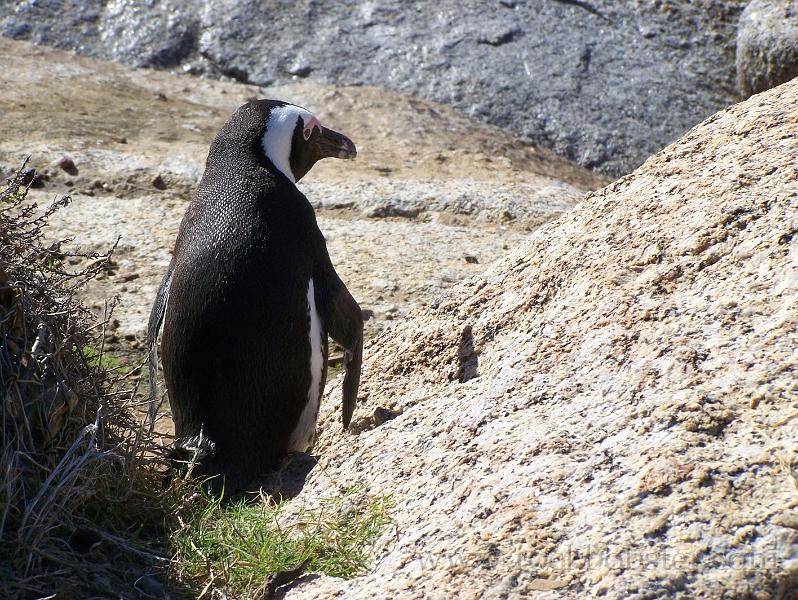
x=604, y=83
x=612, y=409
x=767, y=45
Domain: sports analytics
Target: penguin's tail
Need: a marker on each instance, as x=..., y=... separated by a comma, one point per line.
x=153, y=327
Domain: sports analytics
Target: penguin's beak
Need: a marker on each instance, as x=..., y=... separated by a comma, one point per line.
x=331, y=144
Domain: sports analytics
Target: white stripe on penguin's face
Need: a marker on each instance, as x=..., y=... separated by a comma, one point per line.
x=279, y=134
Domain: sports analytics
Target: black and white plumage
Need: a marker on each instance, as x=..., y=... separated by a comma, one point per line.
x=250, y=297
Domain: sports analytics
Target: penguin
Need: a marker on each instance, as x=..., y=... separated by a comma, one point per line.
x=250, y=297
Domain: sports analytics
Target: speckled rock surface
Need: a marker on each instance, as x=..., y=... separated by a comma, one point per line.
x=612, y=409
x=604, y=83
x=767, y=45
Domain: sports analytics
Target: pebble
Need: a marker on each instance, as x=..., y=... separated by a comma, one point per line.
x=300, y=71
x=158, y=182
x=65, y=163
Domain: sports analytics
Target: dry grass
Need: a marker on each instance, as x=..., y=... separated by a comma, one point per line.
x=79, y=477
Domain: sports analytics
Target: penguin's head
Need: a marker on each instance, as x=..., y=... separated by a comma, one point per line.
x=294, y=140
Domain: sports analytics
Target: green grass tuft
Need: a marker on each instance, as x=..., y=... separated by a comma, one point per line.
x=236, y=547
x=98, y=358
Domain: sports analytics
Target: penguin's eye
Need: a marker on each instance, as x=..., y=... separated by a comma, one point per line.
x=312, y=123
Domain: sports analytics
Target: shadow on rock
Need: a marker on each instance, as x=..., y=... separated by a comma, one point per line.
x=287, y=482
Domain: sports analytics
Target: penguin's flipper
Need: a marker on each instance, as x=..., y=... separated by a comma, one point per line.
x=153, y=327
x=353, y=359
x=344, y=322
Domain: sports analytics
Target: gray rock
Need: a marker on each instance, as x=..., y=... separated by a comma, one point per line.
x=605, y=83
x=154, y=33
x=767, y=45
x=382, y=210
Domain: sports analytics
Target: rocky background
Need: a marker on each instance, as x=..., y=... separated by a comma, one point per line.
x=432, y=198
x=604, y=83
x=606, y=402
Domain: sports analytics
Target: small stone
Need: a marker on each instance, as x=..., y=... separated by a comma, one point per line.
x=300, y=71
x=383, y=210
x=499, y=37
x=158, y=183
x=65, y=163
x=382, y=414
x=648, y=31
x=472, y=260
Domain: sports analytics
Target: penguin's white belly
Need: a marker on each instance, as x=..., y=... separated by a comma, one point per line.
x=302, y=436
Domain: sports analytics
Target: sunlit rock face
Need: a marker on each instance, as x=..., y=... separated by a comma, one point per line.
x=610, y=409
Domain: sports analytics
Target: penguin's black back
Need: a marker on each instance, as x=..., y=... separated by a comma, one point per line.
x=235, y=349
